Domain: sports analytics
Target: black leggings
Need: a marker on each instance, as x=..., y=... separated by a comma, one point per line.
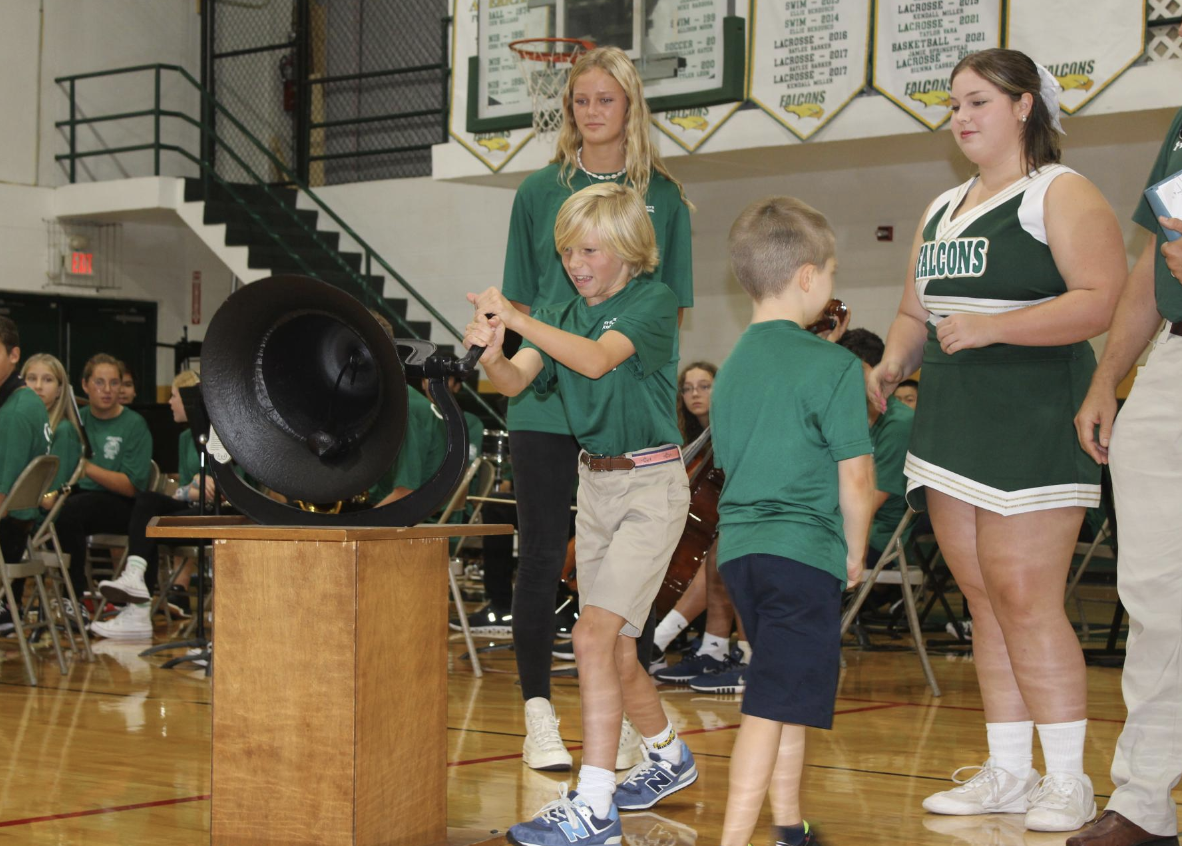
x=149, y=504
x=545, y=471
x=14, y=536
x=89, y=513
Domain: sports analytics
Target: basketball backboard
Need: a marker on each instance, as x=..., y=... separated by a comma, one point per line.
x=688, y=52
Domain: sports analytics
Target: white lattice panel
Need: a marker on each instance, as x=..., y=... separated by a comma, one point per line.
x=1159, y=9
x=1164, y=42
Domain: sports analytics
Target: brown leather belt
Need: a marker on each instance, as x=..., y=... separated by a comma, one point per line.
x=1176, y=328
x=642, y=458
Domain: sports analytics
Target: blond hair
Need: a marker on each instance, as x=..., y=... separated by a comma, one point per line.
x=640, y=155
x=97, y=359
x=186, y=379
x=617, y=214
x=772, y=239
x=57, y=409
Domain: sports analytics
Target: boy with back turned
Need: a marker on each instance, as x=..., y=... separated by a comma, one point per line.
x=790, y=431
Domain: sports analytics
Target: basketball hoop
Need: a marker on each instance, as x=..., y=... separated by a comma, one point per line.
x=545, y=64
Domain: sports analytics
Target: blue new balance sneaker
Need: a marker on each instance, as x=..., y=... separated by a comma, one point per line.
x=568, y=821
x=650, y=782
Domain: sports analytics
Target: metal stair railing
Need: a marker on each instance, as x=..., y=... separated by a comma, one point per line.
x=210, y=138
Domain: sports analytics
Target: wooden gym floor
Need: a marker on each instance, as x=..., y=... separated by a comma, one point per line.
x=117, y=752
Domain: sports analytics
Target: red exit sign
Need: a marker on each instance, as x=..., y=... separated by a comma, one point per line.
x=82, y=264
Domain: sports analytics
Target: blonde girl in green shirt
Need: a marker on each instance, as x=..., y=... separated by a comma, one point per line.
x=47, y=377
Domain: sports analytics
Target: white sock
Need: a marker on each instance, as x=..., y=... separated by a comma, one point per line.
x=1011, y=746
x=745, y=648
x=135, y=564
x=665, y=743
x=1062, y=746
x=669, y=628
x=596, y=786
x=715, y=647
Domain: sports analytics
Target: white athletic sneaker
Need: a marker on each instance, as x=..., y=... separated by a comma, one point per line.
x=1061, y=802
x=543, y=749
x=991, y=791
x=132, y=623
x=631, y=749
x=129, y=587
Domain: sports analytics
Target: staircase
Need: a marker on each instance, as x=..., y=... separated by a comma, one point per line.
x=280, y=237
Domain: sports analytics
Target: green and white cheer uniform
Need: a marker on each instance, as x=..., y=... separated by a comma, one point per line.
x=995, y=427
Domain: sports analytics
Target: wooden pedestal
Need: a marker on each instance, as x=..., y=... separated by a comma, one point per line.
x=329, y=682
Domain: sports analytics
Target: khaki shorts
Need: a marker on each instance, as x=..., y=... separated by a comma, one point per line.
x=628, y=525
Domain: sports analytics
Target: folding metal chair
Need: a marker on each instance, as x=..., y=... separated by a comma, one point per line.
x=1098, y=548
x=28, y=489
x=908, y=579
x=45, y=545
x=456, y=504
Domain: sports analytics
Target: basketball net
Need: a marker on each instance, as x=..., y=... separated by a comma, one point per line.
x=545, y=64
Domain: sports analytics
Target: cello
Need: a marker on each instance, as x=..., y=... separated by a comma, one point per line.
x=701, y=527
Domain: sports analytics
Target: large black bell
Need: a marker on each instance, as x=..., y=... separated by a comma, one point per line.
x=304, y=388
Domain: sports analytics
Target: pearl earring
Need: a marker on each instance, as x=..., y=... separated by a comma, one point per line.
x=1023, y=118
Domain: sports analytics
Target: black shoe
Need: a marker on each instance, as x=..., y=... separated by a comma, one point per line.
x=487, y=622
x=564, y=649
x=657, y=660
x=68, y=613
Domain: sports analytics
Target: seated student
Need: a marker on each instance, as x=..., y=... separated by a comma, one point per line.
x=24, y=435
x=119, y=468
x=612, y=353
x=138, y=581
x=714, y=666
x=890, y=432
x=126, y=384
x=790, y=432
x=908, y=393
x=47, y=377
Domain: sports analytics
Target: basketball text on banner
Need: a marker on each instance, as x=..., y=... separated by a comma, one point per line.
x=496, y=146
x=917, y=43
x=1086, y=44
x=808, y=59
x=690, y=128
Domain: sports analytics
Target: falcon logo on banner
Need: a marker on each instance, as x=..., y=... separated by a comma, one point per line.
x=1086, y=44
x=494, y=149
x=690, y=128
x=917, y=44
x=808, y=59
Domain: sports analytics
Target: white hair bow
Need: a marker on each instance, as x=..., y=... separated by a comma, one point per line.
x=1048, y=90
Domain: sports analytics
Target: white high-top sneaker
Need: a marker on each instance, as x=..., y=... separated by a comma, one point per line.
x=991, y=791
x=129, y=587
x=132, y=623
x=543, y=749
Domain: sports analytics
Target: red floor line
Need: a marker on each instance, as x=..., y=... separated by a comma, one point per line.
x=954, y=707
x=515, y=755
x=111, y=810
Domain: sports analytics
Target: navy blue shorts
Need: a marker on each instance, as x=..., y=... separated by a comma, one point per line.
x=792, y=614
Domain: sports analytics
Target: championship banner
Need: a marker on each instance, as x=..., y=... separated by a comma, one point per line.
x=917, y=43
x=494, y=149
x=1085, y=44
x=689, y=128
x=808, y=59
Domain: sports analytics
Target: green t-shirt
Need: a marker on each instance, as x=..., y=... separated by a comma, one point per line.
x=786, y=407
x=421, y=452
x=122, y=444
x=68, y=450
x=1169, y=161
x=24, y=435
x=890, y=434
x=534, y=274
x=188, y=461
x=635, y=405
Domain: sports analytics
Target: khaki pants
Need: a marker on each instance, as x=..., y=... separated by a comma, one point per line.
x=1146, y=461
x=628, y=525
